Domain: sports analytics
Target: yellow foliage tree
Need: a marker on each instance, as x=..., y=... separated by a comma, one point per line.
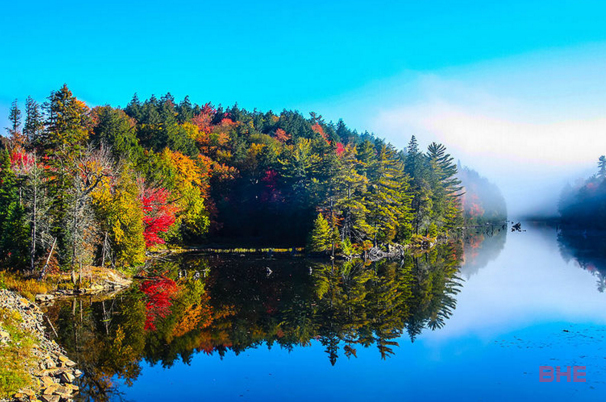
x=118, y=207
x=189, y=186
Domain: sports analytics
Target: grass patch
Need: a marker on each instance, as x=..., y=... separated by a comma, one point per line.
x=15, y=355
x=28, y=288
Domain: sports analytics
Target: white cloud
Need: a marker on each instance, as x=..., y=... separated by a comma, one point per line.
x=529, y=122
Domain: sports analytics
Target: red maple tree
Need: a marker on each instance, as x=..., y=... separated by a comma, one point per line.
x=159, y=214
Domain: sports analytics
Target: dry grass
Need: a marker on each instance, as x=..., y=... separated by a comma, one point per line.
x=28, y=288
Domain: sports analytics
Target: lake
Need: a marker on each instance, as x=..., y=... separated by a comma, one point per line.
x=472, y=320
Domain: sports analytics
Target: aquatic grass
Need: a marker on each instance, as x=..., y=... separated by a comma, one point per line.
x=251, y=250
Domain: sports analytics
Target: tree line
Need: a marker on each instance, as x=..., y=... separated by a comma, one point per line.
x=584, y=203
x=106, y=185
x=482, y=201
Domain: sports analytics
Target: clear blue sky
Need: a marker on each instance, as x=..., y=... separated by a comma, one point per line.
x=265, y=54
x=513, y=88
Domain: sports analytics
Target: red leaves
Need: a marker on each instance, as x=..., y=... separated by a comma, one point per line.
x=281, y=135
x=340, y=148
x=159, y=214
x=270, y=178
x=471, y=203
x=204, y=119
x=160, y=293
x=317, y=128
x=21, y=160
x=475, y=210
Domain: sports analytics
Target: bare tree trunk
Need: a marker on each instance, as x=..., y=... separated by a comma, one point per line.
x=43, y=272
x=104, y=250
x=32, y=250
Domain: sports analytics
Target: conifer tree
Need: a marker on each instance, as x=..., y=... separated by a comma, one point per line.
x=15, y=137
x=320, y=238
x=67, y=124
x=388, y=198
x=602, y=167
x=13, y=229
x=34, y=124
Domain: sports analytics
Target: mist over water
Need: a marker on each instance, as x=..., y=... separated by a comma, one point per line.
x=529, y=123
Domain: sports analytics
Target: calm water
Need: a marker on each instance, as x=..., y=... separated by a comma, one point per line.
x=468, y=323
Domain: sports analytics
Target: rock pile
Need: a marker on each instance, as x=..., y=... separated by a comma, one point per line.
x=55, y=373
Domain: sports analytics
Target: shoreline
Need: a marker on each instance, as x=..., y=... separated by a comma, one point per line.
x=39, y=361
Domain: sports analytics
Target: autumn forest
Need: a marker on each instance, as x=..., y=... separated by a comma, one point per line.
x=107, y=185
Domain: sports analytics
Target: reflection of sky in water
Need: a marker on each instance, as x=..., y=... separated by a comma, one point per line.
x=528, y=284
x=526, y=308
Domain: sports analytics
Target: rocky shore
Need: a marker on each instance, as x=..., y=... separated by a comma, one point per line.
x=53, y=375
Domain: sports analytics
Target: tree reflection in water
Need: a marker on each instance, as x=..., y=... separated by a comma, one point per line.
x=194, y=304
x=586, y=248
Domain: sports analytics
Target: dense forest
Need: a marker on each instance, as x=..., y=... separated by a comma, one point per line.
x=584, y=204
x=105, y=185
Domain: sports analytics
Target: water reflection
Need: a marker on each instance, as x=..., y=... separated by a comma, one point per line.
x=481, y=247
x=199, y=304
x=587, y=249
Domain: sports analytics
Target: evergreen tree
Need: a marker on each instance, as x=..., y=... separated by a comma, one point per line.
x=421, y=204
x=14, y=130
x=116, y=130
x=34, y=124
x=602, y=167
x=320, y=238
x=388, y=198
x=134, y=109
x=350, y=191
x=67, y=124
x=445, y=186
x=13, y=229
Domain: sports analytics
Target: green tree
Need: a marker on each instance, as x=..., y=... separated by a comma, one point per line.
x=14, y=130
x=34, y=124
x=446, y=187
x=321, y=235
x=116, y=130
x=421, y=204
x=63, y=142
x=351, y=188
x=602, y=167
x=118, y=209
x=388, y=199
x=13, y=228
x=67, y=125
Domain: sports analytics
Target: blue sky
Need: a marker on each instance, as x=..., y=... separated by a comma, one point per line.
x=396, y=68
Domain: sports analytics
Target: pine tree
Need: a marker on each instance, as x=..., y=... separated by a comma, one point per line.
x=350, y=189
x=602, y=167
x=13, y=228
x=421, y=204
x=446, y=187
x=388, y=199
x=67, y=125
x=34, y=124
x=14, y=130
x=320, y=238
x=116, y=130
x=133, y=109
x=63, y=142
